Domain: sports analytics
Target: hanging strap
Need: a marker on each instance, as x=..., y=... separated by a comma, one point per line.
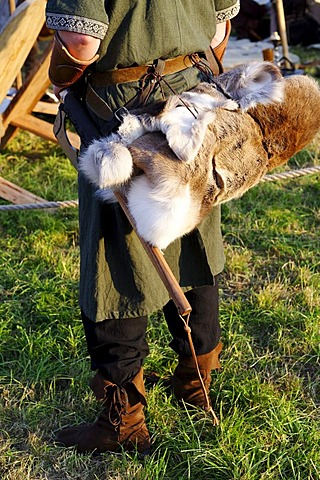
x=97, y=104
x=150, y=80
x=213, y=61
x=215, y=55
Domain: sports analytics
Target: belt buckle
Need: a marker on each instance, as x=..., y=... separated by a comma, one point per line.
x=120, y=113
x=157, y=68
x=194, y=58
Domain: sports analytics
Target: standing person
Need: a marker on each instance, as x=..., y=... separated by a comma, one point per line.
x=110, y=46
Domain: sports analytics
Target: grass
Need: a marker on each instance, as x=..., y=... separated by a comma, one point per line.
x=268, y=392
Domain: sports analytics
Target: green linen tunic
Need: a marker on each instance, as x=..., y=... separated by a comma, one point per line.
x=117, y=279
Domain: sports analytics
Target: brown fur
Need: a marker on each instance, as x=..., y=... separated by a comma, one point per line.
x=239, y=147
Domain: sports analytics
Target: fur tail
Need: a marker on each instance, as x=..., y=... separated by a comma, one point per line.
x=106, y=163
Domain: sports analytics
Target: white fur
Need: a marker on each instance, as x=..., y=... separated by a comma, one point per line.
x=204, y=101
x=130, y=129
x=162, y=213
x=251, y=84
x=106, y=162
x=185, y=138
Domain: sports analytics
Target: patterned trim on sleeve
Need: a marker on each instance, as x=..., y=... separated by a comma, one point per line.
x=73, y=23
x=228, y=13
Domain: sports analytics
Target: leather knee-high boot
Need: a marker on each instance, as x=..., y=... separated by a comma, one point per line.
x=185, y=380
x=121, y=422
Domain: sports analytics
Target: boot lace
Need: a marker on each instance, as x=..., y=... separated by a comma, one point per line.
x=116, y=402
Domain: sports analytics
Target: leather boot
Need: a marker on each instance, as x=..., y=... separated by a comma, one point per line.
x=185, y=381
x=121, y=422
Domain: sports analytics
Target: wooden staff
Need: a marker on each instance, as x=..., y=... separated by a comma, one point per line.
x=282, y=31
x=160, y=264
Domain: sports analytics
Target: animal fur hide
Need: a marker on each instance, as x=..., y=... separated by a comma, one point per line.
x=205, y=147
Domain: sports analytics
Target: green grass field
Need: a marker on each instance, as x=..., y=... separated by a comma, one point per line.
x=267, y=394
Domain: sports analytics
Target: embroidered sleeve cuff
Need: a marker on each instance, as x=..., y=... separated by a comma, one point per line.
x=74, y=23
x=227, y=12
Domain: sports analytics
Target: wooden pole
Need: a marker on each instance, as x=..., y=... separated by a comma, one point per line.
x=282, y=31
x=160, y=264
x=12, y=6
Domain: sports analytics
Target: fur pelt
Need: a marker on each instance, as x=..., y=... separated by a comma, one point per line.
x=206, y=147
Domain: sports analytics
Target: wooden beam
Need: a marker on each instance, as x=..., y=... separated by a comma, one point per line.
x=42, y=128
x=31, y=91
x=35, y=125
x=17, y=38
x=14, y=194
x=46, y=108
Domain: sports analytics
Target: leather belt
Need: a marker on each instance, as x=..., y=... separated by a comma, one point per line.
x=133, y=74
x=171, y=65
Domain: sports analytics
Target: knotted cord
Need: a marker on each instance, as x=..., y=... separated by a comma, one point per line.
x=116, y=399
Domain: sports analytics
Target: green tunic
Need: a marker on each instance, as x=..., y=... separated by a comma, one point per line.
x=117, y=279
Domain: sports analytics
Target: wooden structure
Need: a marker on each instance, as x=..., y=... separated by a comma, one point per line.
x=17, y=38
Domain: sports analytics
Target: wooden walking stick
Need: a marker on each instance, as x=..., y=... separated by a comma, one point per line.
x=177, y=296
x=160, y=264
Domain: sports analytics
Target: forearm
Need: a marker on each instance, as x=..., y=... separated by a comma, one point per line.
x=71, y=55
x=219, y=35
x=220, y=40
x=82, y=47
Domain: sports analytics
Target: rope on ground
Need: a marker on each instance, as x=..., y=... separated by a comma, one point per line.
x=290, y=174
x=74, y=203
x=36, y=206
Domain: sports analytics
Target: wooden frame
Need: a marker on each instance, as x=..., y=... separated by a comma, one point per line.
x=17, y=39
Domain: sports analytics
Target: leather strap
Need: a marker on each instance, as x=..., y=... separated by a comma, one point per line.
x=97, y=104
x=148, y=87
x=133, y=74
x=64, y=69
x=220, y=49
x=215, y=55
